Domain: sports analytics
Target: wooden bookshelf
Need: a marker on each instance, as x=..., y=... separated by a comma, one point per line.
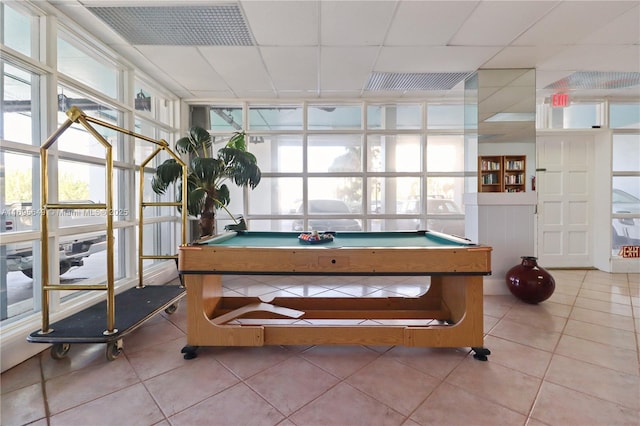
x=502, y=173
x=490, y=173
x=514, y=173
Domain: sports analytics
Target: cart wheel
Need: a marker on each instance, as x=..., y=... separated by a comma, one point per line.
x=171, y=308
x=114, y=349
x=60, y=350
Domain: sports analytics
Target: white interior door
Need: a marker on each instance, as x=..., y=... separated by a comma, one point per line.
x=565, y=197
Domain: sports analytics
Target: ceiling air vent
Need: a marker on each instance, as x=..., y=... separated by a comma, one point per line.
x=597, y=80
x=414, y=81
x=215, y=25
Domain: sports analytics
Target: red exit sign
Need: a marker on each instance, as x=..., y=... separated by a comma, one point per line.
x=629, y=251
x=560, y=100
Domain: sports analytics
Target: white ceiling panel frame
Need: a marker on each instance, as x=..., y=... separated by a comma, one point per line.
x=241, y=68
x=623, y=30
x=498, y=23
x=283, y=23
x=595, y=58
x=355, y=23
x=292, y=68
x=572, y=21
x=345, y=68
x=522, y=56
x=433, y=58
x=185, y=64
x=427, y=23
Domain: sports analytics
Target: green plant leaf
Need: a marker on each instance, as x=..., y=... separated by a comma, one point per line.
x=198, y=141
x=166, y=174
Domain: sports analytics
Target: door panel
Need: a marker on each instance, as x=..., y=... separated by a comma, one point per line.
x=565, y=200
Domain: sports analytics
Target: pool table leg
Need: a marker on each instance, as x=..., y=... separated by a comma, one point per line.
x=481, y=353
x=189, y=351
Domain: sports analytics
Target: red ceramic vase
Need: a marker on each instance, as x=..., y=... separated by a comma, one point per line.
x=529, y=282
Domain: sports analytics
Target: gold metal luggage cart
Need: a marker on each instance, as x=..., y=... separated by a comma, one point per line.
x=99, y=323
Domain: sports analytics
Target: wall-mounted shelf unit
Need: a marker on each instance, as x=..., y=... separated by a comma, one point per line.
x=502, y=173
x=490, y=173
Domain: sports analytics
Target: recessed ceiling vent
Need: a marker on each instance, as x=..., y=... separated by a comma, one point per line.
x=215, y=25
x=597, y=80
x=414, y=81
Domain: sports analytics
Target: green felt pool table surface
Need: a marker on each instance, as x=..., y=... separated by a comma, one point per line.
x=341, y=239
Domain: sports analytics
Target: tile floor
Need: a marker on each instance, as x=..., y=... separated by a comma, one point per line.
x=571, y=360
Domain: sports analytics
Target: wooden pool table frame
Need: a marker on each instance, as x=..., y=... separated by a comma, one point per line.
x=454, y=298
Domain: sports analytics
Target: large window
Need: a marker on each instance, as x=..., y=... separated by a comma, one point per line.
x=324, y=169
x=625, y=201
x=90, y=78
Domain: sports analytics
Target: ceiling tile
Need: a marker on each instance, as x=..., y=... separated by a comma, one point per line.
x=625, y=29
x=241, y=68
x=184, y=64
x=283, y=23
x=496, y=23
x=433, y=59
x=595, y=58
x=572, y=21
x=346, y=68
x=351, y=23
x=420, y=23
x=521, y=56
x=292, y=68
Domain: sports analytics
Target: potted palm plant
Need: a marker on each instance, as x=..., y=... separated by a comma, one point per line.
x=207, y=190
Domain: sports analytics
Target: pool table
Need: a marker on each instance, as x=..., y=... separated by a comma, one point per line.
x=453, y=302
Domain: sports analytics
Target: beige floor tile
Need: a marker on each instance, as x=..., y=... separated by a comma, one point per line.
x=588, y=358
x=189, y=384
x=561, y=298
x=238, y=405
x=341, y=361
x=537, y=318
x=22, y=406
x=492, y=381
x=132, y=405
x=80, y=356
x=567, y=287
x=157, y=359
x=151, y=335
x=444, y=407
x=291, y=384
x=601, y=334
x=604, y=383
x=603, y=318
x=525, y=359
x=601, y=306
x=605, y=296
x=394, y=384
x=81, y=386
x=498, y=306
x=361, y=409
x=527, y=335
x=22, y=375
x=605, y=277
x=436, y=362
x=558, y=405
x=244, y=362
x=623, y=360
x=607, y=288
x=489, y=323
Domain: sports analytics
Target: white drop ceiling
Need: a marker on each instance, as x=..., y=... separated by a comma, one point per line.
x=331, y=49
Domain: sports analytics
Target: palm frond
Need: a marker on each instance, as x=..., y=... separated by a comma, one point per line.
x=198, y=141
x=195, y=201
x=238, y=141
x=166, y=174
x=223, y=197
